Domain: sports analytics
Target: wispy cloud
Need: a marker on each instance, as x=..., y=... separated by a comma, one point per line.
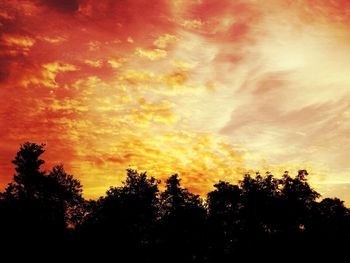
x=204, y=89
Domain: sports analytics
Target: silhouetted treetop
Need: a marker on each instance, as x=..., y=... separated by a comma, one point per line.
x=27, y=160
x=224, y=198
x=42, y=202
x=259, y=215
x=28, y=177
x=176, y=197
x=298, y=189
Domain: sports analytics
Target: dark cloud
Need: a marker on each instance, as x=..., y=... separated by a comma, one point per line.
x=65, y=6
x=4, y=69
x=4, y=72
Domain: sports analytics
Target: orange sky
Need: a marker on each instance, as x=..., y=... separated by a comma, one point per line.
x=207, y=89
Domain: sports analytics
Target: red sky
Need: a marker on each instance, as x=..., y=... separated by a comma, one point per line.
x=207, y=89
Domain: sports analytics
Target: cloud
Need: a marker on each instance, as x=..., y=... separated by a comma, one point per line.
x=53, y=40
x=130, y=40
x=15, y=45
x=115, y=63
x=93, y=63
x=164, y=40
x=192, y=24
x=94, y=45
x=20, y=41
x=65, y=6
x=204, y=89
x=151, y=54
x=6, y=16
x=48, y=74
x=175, y=79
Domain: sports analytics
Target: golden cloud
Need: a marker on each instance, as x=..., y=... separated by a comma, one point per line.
x=115, y=63
x=18, y=40
x=47, y=76
x=164, y=40
x=192, y=24
x=93, y=63
x=208, y=90
x=151, y=54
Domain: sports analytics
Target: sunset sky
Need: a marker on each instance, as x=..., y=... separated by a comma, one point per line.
x=207, y=89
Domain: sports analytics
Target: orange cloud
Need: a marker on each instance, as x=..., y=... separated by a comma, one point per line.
x=47, y=77
x=203, y=89
x=13, y=40
x=93, y=63
x=53, y=40
x=115, y=63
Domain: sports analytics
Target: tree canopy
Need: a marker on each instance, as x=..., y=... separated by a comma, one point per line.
x=259, y=215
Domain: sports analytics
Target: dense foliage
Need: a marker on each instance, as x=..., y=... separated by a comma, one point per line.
x=260, y=216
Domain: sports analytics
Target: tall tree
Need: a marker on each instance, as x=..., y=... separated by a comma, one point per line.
x=224, y=224
x=40, y=204
x=330, y=222
x=183, y=219
x=125, y=219
x=298, y=199
x=259, y=204
x=28, y=177
x=65, y=193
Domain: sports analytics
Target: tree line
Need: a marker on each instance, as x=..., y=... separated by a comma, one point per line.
x=261, y=216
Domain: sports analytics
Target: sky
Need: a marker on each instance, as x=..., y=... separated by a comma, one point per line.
x=207, y=89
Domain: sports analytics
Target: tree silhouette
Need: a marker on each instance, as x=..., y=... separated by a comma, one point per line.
x=126, y=217
x=298, y=199
x=28, y=176
x=66, y=193
x=224, y=223
x=260, y=216
x=332, y=220
x=329, y=227
x=183, y=218
x=39, y=206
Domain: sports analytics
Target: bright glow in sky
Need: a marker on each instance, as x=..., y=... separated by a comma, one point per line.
x=207, y=89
